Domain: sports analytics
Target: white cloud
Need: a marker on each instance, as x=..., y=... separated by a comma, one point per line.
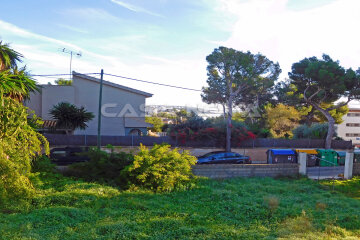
x=42, y=57
x=287, y=36
x=74, y=29
x=135, y=8
x=92, y=13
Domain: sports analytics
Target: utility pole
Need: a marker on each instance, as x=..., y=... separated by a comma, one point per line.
x=78, y=54
x=99, y=112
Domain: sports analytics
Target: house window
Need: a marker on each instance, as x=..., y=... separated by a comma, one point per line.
x=353, y=114
x=353, y=124
x=353, y=134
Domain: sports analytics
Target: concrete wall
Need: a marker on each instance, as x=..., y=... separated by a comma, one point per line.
x=244, y=170
x=87, y=95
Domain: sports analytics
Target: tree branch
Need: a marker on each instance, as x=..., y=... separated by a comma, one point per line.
x=340, y=105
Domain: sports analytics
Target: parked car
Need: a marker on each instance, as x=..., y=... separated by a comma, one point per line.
x=68, y=155
x=223, y=157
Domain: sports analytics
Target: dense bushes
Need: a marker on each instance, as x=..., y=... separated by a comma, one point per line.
x=157, y=169
x=160, y=168
x=19, y=145
x=104, y=167
x=212, y=130
x=315, y=131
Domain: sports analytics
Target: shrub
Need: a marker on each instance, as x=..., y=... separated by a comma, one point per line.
x=212, y=130
x=15, y=189
x=160, y=168
x=315, y=131
x=42, y=164
x=103, y=167
x=19, y=145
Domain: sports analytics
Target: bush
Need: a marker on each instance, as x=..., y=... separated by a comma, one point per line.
x=42, y=164
x=15, y=189
x=160, y=168
x=19, y=145
x=315, y=131
x=210, y=130
x=103, y=167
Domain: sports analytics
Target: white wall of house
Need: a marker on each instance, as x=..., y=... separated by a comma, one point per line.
x=122, y=102
x=350, y=128
x=87, y=95
x=49, y=96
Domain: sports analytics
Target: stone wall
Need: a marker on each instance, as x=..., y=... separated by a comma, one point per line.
x=356, y=169
x=245, y=170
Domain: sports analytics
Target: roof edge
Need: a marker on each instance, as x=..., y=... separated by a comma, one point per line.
x=111, y=84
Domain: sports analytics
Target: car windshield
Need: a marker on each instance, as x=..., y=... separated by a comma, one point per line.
x=206, y=155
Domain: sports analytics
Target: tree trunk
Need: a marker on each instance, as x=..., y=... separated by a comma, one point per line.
x=331, y=127
x=228, y=126
x=309, y=117
x=224, y=111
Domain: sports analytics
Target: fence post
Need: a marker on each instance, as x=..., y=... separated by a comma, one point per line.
x=302, y=162
x=349, y=162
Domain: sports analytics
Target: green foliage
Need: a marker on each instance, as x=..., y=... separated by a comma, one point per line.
x=103, y=167
x=160, y=168
x=17, y=84
x=19, y=145
x=156, y=122
x=238, y=78
x=217, y=209
x=315, y=131
x=324, y=81
x=281, y=120
x=211, y=130
x=63, y=82
x=8, y=57
x=42, y=164
x=16, y=189
x=69, y=116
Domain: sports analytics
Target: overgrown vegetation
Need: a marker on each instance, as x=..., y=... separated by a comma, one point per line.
x=19, y=145
x=315, y=131
x=211, y=130
x=104, y=167
x=242, y=208
x=158, y=169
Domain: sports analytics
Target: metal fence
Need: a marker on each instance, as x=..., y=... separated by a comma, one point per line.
x=91, y=140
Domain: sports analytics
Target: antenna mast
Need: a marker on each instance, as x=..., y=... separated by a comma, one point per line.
x=78, y=54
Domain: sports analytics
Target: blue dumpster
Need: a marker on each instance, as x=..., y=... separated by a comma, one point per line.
x=281, y=156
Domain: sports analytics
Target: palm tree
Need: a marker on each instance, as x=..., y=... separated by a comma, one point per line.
x=8, y=57
x=14, y=82
x=70, y=117
x=17, y=84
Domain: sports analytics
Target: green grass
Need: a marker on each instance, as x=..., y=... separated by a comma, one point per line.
x=243, y=208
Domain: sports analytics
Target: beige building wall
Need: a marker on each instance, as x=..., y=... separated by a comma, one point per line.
x=350, y=128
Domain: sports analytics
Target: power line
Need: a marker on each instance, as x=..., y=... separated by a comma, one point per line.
x=59, y=74
x=118, y=76
x=155, y=83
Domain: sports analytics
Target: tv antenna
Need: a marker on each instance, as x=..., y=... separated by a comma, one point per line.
x=78, y=54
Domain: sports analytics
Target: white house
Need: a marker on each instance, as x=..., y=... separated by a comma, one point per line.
x=350, y=128
x=123, y=108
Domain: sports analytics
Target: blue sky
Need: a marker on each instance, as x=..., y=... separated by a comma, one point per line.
x=167, y=40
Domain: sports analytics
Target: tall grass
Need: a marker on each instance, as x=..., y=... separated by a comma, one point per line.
x=250, y=208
